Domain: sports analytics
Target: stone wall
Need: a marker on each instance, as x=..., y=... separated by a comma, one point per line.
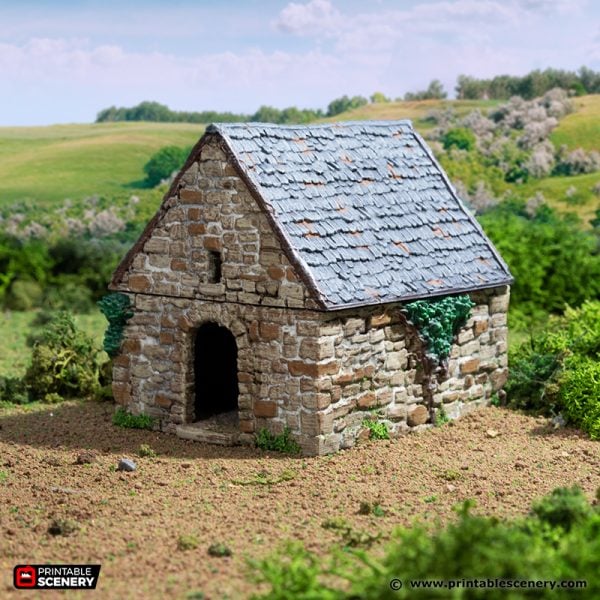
x=320, y=374
x=214, y=213
x=381, y=371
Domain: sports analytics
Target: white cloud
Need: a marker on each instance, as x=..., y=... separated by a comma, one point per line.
x=314, y=18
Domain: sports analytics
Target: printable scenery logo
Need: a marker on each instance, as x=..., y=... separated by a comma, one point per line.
x=56, y=577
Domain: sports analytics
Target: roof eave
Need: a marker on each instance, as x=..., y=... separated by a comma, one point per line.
x=411, y=297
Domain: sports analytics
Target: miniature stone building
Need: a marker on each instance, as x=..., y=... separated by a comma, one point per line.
x=268, y=289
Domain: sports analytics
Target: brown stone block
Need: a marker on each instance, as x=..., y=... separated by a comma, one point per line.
x=253, y=331
x=276, y=272
x=297, y=368
x=367, y=400
x=122, y=360
x=194, y=214
x=121, y=392
x=139, y=283
x=481, y=326
x=469, y=366
x=196, y=228
x=270, y=331
x=498, y=378
x=380, y=320
x=417, y=416
x=247, y=426
x=344, y=379
x=166, y=337
x=131, y=346
x=184, y=323
x=190, y=196
x=264, y=408
x=212, y=243
x=163, y=401
x=167, y=320
x=290, y=275
x=178, y=264
x=363, y=372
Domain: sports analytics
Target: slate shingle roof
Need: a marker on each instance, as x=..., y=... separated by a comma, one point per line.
x=366, y=209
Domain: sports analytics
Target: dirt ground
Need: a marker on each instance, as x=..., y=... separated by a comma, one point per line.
x=248, y=499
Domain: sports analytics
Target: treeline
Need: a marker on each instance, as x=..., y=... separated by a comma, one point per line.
x=534, y=84
x=154, y=111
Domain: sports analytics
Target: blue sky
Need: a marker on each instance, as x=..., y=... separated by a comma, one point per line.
x=62, y=61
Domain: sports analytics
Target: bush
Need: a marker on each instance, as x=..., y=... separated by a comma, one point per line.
x=461, y=138
x=284, y=442
x=164, y=163
x=64, y=361
x=559, y=370
x=122, y=418
x=553, y=261
x=24, y=295
x=579, y=394
x=13, y=390
x=558, y=541
x=378, y=430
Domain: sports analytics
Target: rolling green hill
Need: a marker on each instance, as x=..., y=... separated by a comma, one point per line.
x=46, y=165
x=49, y=164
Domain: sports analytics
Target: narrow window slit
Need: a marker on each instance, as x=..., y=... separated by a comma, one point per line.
x=214, y=266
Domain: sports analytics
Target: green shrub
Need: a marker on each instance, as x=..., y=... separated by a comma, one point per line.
x=461, y=138
x=24, y=295
x=553, y=261
x=283, y=442
x=122, y=418
x=146, y=451
x=563, y=507
x=219, y=549
x=579, y=393
x=559, y=369
x=64, y=361
x=187, y=542
x=378, y=430
x=164, y=163
x=558, y=541
x=13, y=390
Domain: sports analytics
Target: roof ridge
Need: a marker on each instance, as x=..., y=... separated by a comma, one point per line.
x=217, y=127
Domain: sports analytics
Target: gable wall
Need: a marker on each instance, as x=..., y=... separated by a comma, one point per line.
x=214, y=211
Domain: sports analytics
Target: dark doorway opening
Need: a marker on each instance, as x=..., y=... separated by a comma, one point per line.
x=215, y=370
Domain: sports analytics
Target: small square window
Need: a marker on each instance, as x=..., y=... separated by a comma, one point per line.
x=214, y=266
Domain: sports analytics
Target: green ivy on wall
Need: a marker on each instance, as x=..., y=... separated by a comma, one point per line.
x=117, y=309
x=438, y=321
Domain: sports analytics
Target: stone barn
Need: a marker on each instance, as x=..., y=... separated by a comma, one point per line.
x=269, y=290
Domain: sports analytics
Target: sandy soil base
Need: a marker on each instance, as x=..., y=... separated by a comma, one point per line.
x=248, y=499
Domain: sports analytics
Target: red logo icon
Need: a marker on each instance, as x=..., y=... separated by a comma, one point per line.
x=25, y=577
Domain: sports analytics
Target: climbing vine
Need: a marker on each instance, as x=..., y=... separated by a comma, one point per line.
x=117, y=309
x=439, y=320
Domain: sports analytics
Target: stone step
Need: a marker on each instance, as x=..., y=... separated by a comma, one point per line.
x=199, y=433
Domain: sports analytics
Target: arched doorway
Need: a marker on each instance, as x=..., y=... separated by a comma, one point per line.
x=215, y=371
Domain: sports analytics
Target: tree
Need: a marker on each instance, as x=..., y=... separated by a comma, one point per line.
x=343, y=104
x=164, y=163
x=435, y=91
x=379, y=98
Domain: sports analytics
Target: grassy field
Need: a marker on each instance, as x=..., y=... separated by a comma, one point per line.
x=49, y=164
x=416, y=111
x=16, y=326
x=580, y=129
